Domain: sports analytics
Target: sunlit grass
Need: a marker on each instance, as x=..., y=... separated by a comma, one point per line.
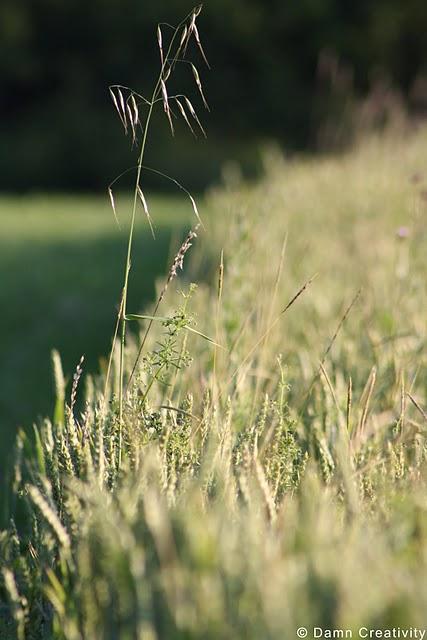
x=277, y=479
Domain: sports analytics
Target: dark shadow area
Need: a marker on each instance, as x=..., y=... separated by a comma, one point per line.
x=63, y=296
x=291, y=72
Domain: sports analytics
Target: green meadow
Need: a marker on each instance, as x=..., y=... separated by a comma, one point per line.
x=61, y=263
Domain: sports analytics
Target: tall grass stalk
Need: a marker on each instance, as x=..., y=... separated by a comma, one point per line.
x=175, y=53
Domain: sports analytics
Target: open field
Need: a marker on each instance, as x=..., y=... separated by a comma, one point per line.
x=61, y=263
x=270, y=477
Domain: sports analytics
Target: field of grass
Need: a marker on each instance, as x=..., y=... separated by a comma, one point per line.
x=268, y=478
x=61, y=262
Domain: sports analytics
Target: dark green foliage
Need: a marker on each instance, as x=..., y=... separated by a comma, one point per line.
x=57, y=58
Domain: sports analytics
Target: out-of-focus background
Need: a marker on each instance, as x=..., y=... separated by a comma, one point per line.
x=308, y=76
x=280, y=70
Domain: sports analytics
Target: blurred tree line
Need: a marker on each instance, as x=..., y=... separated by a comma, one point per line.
x=280, y=70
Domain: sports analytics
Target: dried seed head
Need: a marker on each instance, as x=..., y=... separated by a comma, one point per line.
x=195, y=209
x=110, y=193
x=199, y=44
x=135, y=110
x=146, y=211
x=160, y=42
x=194, y=115
x=199, y=85
x=178, y=262
x=122, y=106
x=114, y=99
x=164, y=95
x=183, y=36
x=166, y=104
x=131, y=118
x=192, y=23
x=184, y=115
x=116, y=104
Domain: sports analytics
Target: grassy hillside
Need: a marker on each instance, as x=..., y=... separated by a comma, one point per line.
x=270, y=474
